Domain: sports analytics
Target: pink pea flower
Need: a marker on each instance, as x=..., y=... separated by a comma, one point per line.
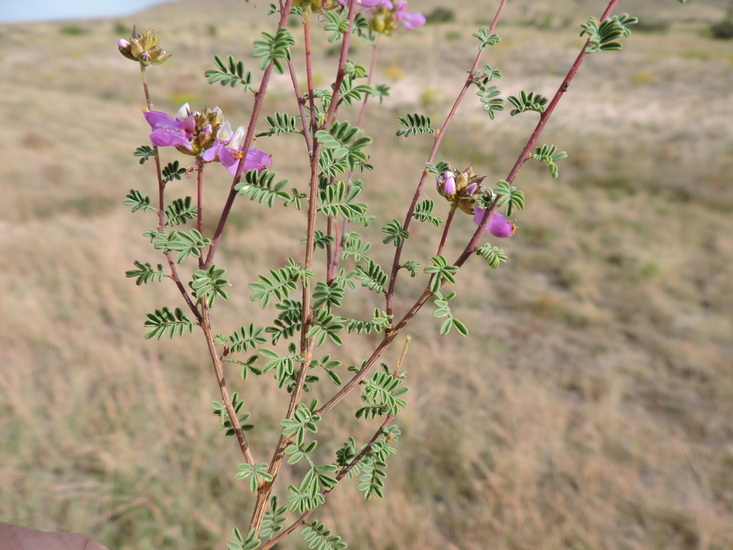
x=499, y=225
x=169, y=131
x=227, y=149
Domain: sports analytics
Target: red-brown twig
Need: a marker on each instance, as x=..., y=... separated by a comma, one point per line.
x=436, y=145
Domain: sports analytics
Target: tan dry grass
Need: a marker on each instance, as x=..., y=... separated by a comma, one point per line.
x=598, y=379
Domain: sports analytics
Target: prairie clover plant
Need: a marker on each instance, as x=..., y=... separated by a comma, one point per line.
x=307, y=310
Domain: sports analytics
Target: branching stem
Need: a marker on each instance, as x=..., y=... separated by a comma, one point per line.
x=256, y=110
x=396, y=262
x=225, y=396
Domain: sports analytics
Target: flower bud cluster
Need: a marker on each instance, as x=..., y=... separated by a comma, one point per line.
x=144, y=48
x=462, y=187
x=464, y=190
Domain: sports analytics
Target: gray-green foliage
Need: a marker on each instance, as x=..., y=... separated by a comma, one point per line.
x=307, y=300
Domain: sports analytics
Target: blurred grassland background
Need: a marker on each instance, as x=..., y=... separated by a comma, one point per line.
x=592, y=407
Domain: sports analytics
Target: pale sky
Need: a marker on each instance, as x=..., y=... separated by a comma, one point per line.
x=46, y=10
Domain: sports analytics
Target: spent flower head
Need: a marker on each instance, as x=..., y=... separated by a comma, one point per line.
x=143, y=48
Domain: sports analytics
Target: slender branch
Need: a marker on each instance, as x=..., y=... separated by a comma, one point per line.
x=344, y=471
x=330, y=250
x=182, y=289
x=256, y=110
x=338, y=245
x=383, y=345
x=309, y=74
x=200, y=196
x=524, y=155
x=372, y=65
x=306, y=348
x=345, y=41
x=436, y=145
x=200, y=202
x=226, y=398
x=156, y=154
x=306, y=344
x=161, y=206
x=448, y=222
x=307, y=134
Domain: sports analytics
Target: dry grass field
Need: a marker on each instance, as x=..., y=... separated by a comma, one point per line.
x=592, y=407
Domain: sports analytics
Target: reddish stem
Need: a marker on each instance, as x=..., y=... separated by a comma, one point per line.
x=448, y=222
x=525, y=154
x=436, y=145
x=256, y=110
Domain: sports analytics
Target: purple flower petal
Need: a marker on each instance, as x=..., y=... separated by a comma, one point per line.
x=499, y=225
x=165, y=136
x=212, y=152
x=447, y=182
x=189, y=124
x=412, y=19
x=409, y=19
x=257, y=160
x=159, y=118
x=228, y=159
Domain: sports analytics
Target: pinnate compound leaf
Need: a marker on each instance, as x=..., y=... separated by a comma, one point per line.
x=260, y=187
x=274, y=49
x=414, y=124
x=277, y=285
x=231, y=73
x=424, y=213
x=256, y=474
x=274, y=518
x=381, y=395
x=527, y=101
x=173, y=171
x=282, y=123
x=318, y=537
x=180, y=211
x=301, y=502
x=494, y=256
x=395, y=234
x=145, y=152
x=164, y=322
x=606, y=35
x=246, y=338
x=326, y=325
x=485, y=38
x=210, y=284
x=372, y=276
x=337, y=200
x=138, y=201
x=186, y=244
x=145, y=273
x=442, y=272
x=510, y=197
x=549, y=155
